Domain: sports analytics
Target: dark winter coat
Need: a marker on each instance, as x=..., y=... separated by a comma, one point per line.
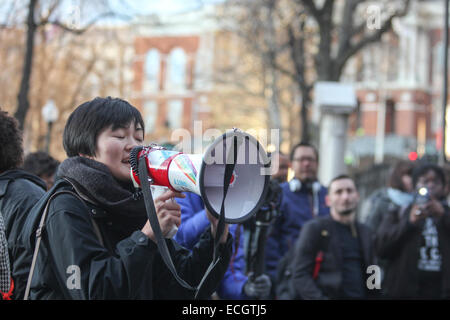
x=19, y=192
x=398, y=241
x=73, y=263
x=295, y=211
x=320, y=235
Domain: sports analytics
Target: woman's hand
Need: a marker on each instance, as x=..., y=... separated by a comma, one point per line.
x=214, y=221
x=168, y=213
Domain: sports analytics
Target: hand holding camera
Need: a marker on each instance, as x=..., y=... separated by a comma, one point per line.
x=424, y=206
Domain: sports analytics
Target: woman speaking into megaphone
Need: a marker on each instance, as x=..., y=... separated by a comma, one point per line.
x=96, y=241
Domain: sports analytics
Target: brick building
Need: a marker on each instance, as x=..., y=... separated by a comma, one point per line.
x=400, y=80
x=171, y=72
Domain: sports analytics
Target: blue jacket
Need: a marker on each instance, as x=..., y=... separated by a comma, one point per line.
x=295, y=210
x=193, y=222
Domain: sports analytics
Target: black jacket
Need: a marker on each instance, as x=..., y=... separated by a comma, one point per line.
x=398, y=241
x=73, y=264
x=320, y=235
x=19, y=192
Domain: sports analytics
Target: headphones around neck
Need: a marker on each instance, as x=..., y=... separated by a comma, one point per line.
x=295, y=185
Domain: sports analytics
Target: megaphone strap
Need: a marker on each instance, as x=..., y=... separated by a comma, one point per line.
x=229, y=168
x=152, y=217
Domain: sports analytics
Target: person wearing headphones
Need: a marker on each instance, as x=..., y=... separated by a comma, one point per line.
x=303, y=199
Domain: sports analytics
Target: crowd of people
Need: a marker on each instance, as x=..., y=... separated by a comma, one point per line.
x=79, y=229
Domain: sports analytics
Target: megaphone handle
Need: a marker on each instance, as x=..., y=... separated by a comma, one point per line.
x=172, y=232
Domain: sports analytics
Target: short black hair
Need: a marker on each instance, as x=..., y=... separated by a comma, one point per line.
x=424, y=169
x=11, y=149
x=340, y=177
x=304, y=144
x=40, y=164
x=90, y=118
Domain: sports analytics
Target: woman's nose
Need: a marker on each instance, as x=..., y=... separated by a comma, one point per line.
x=131, y=143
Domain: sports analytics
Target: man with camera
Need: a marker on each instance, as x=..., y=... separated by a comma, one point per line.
x=416, y=241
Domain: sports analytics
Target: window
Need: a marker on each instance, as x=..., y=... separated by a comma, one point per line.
x=176, y=70
x=174, y=114
x=151, y=71
x=390, y=116
x=150, y=115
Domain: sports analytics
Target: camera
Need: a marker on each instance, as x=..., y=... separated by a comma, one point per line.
x=421, y=197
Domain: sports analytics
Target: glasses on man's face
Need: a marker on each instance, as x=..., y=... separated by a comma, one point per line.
x=304, y=159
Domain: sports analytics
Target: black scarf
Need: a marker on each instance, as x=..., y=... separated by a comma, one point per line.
x=122, y=201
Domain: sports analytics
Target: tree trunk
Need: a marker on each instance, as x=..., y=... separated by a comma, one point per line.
x=23, y=102
x=304, y=115
x=274, y=109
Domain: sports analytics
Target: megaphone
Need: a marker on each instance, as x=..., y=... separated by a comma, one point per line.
x=203, y=174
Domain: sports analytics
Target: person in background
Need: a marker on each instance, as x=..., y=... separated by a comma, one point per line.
x=280, y=166
x=19, y=192
x=416, y=241
x=344, y=246
x=5, y=270
x=446, y=168
x=303, y=198
x=42, y=165
x=236, y=284
x=396, y=195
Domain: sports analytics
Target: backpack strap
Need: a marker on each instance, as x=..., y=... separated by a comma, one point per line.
x=323, y=246
x=5, y=269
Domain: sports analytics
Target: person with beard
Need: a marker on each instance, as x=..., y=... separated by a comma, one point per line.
x=97, y=242
x=19, y=192
x=303, y=198
x=415, y=241
x=332, y=253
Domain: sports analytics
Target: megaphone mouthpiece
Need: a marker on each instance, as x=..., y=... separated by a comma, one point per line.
x=134, y=158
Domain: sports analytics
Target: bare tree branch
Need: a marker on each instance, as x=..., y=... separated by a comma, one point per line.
x=347, y=51
x=311, y=7
x=87, y=26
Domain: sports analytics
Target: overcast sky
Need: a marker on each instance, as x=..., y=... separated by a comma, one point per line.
x=90, y=9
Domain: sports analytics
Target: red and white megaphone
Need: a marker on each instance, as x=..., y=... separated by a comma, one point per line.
x=204, y=174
